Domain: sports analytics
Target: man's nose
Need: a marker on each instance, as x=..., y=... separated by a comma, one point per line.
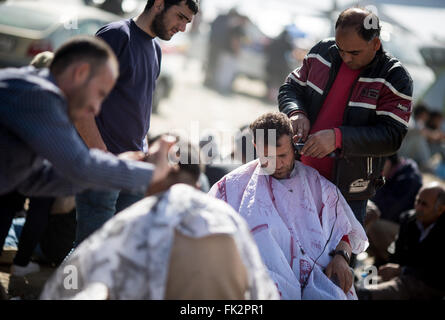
x=183, y=26
x=417, y=207
x=95, y=108
x=347, y=58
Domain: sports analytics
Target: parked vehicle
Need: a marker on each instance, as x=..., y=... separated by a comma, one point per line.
x=30, y=27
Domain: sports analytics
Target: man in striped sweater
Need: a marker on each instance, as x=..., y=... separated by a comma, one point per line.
x=352, y=98
x=41, y=153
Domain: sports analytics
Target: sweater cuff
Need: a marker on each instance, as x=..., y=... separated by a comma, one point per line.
x=295, y=112
x=338, y=138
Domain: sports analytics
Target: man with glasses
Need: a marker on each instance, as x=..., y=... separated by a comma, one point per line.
x=352, y=98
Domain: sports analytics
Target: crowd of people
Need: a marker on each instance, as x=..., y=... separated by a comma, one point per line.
x=231, y=32
x=307, y=187
x=425, y=140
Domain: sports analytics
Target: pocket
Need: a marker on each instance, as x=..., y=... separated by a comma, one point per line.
x=353, y=180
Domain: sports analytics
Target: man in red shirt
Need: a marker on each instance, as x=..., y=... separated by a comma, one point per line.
x=352, y=98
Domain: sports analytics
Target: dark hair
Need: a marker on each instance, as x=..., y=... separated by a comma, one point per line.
x=192, y=163
x=395, y=159
x=436, y=114
x=277, y=121
x=419, y=109
x=244, y=145
x=365, y=22
x=433, y=116
x=191, y=4
x=82, y=48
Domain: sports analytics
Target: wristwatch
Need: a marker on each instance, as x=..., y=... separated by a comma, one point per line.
x=342, y=253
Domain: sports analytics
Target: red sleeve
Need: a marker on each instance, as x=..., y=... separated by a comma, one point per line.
x=346, y=239
x=338, y=137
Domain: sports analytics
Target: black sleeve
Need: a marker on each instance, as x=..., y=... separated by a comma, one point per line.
x=292, y=93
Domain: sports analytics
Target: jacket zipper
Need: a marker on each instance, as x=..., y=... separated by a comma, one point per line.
x=338, y=62
x=369, y=163
x=368, y=159
x=369, y=171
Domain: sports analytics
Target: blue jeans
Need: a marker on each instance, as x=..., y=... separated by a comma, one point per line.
x=15, y=233
x=12, y=240
x=359, y=209
x=94, y=208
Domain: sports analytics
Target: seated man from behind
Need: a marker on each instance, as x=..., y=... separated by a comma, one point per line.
x=178, y=243
x=403, y=182
x=416, y=268
x=303, y=227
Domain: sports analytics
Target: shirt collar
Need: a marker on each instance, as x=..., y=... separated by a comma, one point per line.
x=424, y=231
x=44, y=73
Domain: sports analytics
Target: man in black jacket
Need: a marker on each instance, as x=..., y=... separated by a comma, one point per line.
x=416, y=271
x=352, y=98
x=398, y=195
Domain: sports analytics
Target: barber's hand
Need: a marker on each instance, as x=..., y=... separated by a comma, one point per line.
x=339, y=267
x=132, y=155
x=389, y=271
x=301, y=126
x=158, y=155
x=319, y=144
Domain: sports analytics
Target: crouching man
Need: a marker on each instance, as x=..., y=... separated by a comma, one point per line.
x=178, y=243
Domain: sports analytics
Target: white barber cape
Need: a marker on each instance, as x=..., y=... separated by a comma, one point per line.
x=291, y=220
x=128, y=257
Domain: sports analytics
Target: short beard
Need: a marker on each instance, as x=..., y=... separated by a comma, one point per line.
x=158, y=26
x=286, y=176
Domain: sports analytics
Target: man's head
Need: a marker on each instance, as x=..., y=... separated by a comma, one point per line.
x=421, y=113
x=390, y=163
x=272, y=137
x=357, y=34
x=85, y=69
x=189, y=168
x=435, y=120
x=430, y=204
x=170, y=16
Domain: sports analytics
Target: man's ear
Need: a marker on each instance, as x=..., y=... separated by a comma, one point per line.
x=81, y=72
x=440, y=209
x=294, y=139
x=159, y=5
x=376, y=43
